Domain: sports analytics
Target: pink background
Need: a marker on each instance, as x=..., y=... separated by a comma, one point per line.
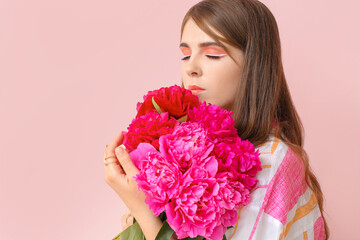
x=72, y=71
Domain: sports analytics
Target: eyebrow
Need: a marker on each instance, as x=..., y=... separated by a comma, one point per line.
x=201, y=45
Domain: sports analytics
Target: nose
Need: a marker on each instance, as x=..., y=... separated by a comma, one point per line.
x=193, y=66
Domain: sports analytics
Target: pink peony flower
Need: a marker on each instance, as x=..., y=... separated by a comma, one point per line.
x=188, y=143
x=199, y=172
x=140, y=153
x=158, y=178
x=197, y=183
x=232, y=194
x=148, y=128
x=249, y=162
x=238, y=157
x=218, y=120
x=229, y=218
x=194, y=211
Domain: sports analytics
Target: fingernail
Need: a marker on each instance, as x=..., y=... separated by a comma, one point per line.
x=120, y=150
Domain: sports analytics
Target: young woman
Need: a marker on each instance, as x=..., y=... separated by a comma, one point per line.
x=232, y=58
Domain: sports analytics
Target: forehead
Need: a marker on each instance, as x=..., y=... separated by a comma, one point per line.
x=192, y=34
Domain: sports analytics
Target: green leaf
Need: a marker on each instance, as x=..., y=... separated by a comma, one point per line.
x=165, y=232
x=224, y=237
x=183, y=119
x=156, y=106
x=133, y=232
x=117, y=237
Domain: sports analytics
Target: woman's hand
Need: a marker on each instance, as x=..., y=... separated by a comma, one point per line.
x=127, y=220
x=119, y=174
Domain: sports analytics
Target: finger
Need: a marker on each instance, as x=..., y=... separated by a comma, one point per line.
x=125, y=161
x=130, y=220
x=114, y=172
x=125, y=220
x=110, y=159
x=116, y=165
x=116, y=141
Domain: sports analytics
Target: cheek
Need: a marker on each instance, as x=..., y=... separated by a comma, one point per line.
x=184, y=78
x=224, y=84
x=225, y=77
x=185, y=83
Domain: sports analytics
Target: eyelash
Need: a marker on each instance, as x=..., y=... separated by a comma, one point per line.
x=209, y=56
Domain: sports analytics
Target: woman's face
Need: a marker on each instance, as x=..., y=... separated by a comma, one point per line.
x=208, y=66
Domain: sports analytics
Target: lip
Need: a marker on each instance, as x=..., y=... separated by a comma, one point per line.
x=194, y=87
x=197, y=91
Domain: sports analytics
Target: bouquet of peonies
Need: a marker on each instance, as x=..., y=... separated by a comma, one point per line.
x=195, y=170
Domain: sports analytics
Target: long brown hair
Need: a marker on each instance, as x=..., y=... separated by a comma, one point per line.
x=262, y=92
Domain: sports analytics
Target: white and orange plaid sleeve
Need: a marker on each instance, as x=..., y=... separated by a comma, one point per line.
x=282, y=205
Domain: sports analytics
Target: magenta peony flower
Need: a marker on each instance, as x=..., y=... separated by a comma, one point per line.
x=195, y=211
x=249, y=162
x=158, y=178
x=148, y=128
x=232, y=194
x=238, y=157
x=199, y=172
x=219, y=121
x=188, y=143
x=197, y=183
x=140, y=153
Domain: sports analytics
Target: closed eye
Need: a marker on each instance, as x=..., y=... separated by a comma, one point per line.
x=209, y=56
x=184, y=58
x=213, y=56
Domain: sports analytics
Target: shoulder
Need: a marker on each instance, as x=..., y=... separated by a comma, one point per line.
x=284, y=178
x=282, y=206
x=276, y=159
x=282, y=175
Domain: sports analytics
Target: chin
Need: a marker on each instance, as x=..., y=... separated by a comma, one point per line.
x=202, y=99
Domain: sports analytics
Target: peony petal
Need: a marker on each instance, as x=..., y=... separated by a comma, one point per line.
x=140, y=153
